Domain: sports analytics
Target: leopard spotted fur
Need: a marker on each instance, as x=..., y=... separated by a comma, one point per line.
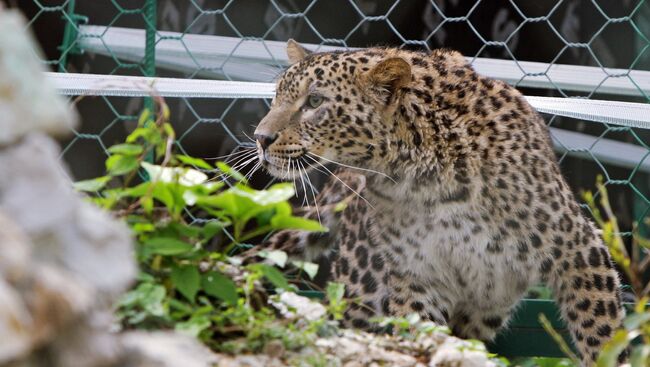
x=468, y=210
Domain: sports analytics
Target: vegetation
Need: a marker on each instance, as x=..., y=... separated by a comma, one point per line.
x=185, y=228
x=634, y=261
x=189, y=228
x=190, y=231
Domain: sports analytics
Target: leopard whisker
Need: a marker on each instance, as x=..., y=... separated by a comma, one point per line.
x=353, y=167
x=313, y=194
x=244, y=162
x=302, y=180
x=256, y=167
x=249, y=138
x=237, y=151
x=288, y=168
x=293, y=177
x=309, y=182
x=238, y=159
x=241, y=163
x=343, y=182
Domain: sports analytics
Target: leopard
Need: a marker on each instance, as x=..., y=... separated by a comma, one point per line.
x=447, y=199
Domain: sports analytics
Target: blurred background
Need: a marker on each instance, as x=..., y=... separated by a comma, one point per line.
x=108, y=37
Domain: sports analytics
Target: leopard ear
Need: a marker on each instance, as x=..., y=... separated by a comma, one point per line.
x=385, y=79
x=295, y=52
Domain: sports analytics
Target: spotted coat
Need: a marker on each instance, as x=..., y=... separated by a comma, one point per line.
x=468, y=207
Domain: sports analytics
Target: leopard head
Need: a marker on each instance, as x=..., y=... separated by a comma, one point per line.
x=333, y=106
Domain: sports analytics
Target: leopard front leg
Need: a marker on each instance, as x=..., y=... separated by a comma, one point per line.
x=409, y=295
x=471, y=322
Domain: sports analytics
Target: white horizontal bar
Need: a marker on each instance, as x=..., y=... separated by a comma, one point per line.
x=73, y=84
x=608, y=151
x=605, y=150
x=613, y=112
x=628, y=114
x=262, y=60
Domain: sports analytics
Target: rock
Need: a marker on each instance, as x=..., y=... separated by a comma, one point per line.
x=166, y=349
x=27, y=101
x=15, y=250
x=293, y=306
x=64, y=229
x=63, y=263
x=15, y=325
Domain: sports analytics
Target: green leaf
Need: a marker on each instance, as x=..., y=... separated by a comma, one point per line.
x=640, y=356
x=278, y=257
x=634, y=321
x=197, y=162
x=147, y=134
x=167, y=246
x=92, y=185
x=335, y=291
x=147, y=204
x=120, y=164
x=233, y=205
x=194, y=326
x=340, y=206
x=183, y=176
x=277, y=193
x=162, y=193
x=126, y=149
x=309, y=268
x=148, y=296
x=273, y=275
x=211, y=228
x=220, y=286
x=145, y=117
x=143, y=227
x=291, y=222
x=614, y=347
x=187, y=280
x=135, y=191
x=184, y=230
x=223, y=167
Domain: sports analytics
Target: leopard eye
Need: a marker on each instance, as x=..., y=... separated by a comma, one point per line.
x=314, y=100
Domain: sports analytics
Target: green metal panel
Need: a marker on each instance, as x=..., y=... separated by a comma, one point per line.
x=525, y=337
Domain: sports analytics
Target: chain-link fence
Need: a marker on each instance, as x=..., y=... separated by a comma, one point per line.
x=589, y=49
x=578, y=48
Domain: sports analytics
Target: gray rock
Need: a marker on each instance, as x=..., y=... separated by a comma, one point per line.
x=64, y=229
x=166, y=349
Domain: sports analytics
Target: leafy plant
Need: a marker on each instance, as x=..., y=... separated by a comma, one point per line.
x=634, y=336
x=635, y=263
x=187, y=228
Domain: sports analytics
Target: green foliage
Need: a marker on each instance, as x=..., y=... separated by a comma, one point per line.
x=545, y=362
x=187, y=228
x=409, y=327
x=634, y=262
x=634, y=336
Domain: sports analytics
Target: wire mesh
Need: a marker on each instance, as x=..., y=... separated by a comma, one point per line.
x=611, y=37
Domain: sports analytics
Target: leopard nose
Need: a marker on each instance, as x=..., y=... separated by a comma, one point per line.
x=265, y=140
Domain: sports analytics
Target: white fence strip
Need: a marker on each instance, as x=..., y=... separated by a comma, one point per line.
x=257, y=60
x=577, y=144
x=620, y=113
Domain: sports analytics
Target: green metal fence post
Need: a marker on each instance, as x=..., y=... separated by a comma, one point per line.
x=70, y=35
x=149, y=61
x=150, y=15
